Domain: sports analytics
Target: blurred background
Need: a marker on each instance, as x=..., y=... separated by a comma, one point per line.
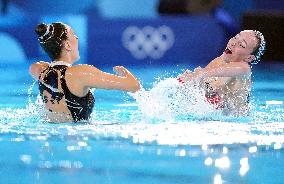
x=141, y=32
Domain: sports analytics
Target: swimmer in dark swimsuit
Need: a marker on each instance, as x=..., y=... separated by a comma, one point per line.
x=230, y=73
x=64, y=88
x=79, y=107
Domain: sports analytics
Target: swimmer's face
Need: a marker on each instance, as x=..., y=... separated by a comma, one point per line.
x=241, y=47
x=72, y=44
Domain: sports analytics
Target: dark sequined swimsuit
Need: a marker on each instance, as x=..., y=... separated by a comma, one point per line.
x=80, y=107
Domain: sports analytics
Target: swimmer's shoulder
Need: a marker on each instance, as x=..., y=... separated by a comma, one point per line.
x=82, y=69
x=215, y=62
x=37, y=67
x=82, y=73
x=245, y=68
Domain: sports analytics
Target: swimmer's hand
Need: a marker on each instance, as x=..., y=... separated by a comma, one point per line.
x=121, y=71
x=133, y=83
x=188, y=75
x=198, y=69
x=181, y=79
x=185, y=77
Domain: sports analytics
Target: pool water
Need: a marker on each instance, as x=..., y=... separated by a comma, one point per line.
x=121, y=144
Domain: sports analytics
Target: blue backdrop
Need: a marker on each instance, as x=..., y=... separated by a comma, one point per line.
x=165, y=40
x=196, y=39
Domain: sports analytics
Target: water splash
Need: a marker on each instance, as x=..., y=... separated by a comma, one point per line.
x=169, y=99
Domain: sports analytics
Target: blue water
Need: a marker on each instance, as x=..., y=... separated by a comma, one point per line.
x=123, y=145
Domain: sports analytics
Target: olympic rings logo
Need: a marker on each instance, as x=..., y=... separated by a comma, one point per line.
x=148, y=41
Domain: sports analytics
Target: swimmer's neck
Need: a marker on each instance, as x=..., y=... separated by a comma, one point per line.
x=226, y=61
x=65, y=58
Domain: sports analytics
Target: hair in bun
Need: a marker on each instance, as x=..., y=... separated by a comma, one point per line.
x=41, y=29
x=51, y=37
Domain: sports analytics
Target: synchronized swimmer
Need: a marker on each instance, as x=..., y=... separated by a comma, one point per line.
x=227, y=79
x=64, y=88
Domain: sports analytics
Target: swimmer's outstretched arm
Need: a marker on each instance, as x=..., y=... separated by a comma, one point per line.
x=183, y=77
x=37, y=68
x=226, y=70
x=92, y=77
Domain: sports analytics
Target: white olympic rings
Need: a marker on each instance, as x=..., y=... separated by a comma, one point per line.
x=148, y=41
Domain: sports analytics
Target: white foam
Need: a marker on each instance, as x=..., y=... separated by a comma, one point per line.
x=169, y=98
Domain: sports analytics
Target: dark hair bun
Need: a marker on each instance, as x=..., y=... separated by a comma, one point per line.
x=41, y=29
